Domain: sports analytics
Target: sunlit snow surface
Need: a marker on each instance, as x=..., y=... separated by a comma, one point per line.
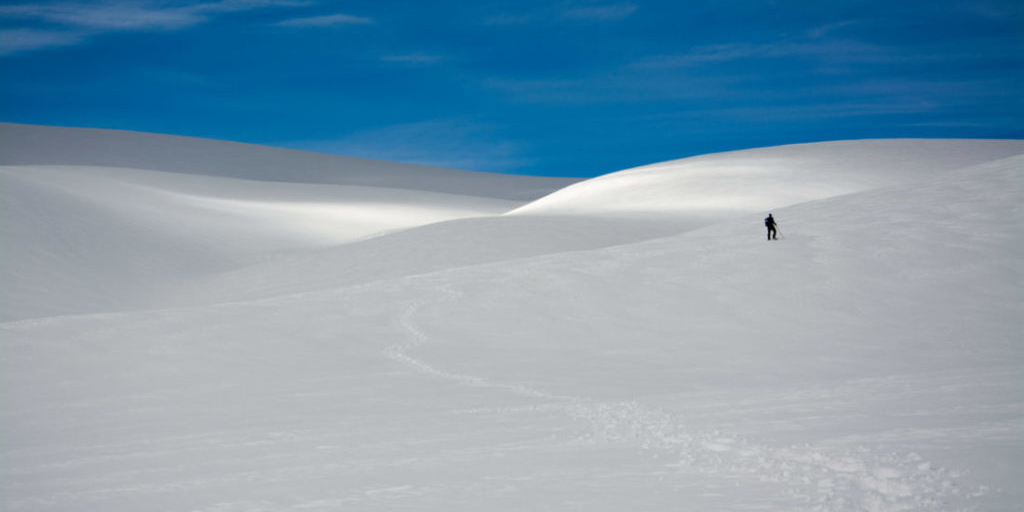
x=190, y=340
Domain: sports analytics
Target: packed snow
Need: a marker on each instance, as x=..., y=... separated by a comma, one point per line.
x=195, y=325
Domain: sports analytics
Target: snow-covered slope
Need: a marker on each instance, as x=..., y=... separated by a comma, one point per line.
x=580, y=354
x=758, y=180
x=92, y=237
x=22, y=144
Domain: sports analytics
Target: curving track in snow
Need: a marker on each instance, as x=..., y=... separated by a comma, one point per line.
x=815, y=479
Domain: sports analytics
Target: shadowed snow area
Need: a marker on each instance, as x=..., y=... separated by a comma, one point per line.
x=47, y=145
x=360, y=336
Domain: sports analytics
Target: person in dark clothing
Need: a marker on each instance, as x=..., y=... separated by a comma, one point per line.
x=769, y=222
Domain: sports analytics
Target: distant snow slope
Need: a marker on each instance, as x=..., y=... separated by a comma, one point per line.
x=625, y=343
x=758, y=180
x=140, y=213
x=22, y=144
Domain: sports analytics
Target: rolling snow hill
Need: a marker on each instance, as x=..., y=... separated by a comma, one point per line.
x=758, y=180
x=22, y=144
x=101, y=220
x=208, y=326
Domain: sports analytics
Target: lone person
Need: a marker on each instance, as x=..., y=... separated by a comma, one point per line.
x=769, y=222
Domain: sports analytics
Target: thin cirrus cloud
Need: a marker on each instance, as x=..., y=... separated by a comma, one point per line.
x=841, y=50
x=104, y=16
x=325, y=21
x=609, y=12
x=27, y=39
x=412, y=59
x=580, y=13
x=70, y=23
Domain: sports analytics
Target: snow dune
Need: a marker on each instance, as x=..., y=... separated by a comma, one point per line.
x=364, y=338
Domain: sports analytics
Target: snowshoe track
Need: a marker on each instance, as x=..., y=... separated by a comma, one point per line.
x=818, y=479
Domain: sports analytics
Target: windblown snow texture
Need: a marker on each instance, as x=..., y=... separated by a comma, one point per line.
x=207, y=326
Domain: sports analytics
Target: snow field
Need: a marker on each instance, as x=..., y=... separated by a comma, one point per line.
x=645, y=356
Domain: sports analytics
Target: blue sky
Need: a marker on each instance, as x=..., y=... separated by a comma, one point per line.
x=558, y=87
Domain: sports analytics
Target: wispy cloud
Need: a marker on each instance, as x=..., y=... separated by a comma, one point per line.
x=326, y=21
x=107, y=15
x=606, y=12
x=845, y=51
x=612, y=86
x=572, y=11
x=508, y=19
x=829, y=28
x=28, y=39
x=245, y=5
x=73, y=22
x=413, y=59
